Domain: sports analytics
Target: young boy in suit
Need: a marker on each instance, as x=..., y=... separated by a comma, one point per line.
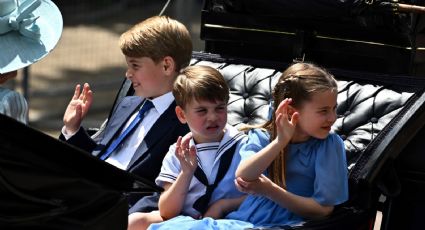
x=142, y=127
x=198, y=180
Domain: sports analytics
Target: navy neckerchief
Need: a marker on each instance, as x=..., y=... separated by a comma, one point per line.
x=201, y=204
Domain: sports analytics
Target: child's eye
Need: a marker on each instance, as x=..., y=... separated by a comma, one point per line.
x=134, y=65
x=201, y=111
x=221, y=108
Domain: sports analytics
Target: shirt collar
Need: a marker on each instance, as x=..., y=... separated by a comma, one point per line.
x=162, y=102
x=231, y=136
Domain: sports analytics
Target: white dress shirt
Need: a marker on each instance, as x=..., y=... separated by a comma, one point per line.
x=121, y=157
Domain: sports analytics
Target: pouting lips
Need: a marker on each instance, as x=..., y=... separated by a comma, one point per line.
x=212, y=127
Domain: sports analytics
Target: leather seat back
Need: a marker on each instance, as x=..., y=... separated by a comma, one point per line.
x=368, y=108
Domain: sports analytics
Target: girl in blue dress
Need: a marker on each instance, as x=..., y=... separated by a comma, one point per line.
x=299, y=171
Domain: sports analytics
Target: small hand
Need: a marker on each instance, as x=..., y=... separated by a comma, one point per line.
x=259, y=186
x=186, y=156
x=285, y=124
x=77, y=108
x=186, y=140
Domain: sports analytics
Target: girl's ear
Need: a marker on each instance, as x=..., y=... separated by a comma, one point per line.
x=169, y=65
x=291, y=110
x=180, y=114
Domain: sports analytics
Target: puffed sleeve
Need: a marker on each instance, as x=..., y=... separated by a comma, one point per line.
x=331, y=182
x=14, y=105
x=170, y=167
x=257, y=140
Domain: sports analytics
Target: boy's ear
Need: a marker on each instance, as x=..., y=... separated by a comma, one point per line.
x=168, y=64
x=180, y=114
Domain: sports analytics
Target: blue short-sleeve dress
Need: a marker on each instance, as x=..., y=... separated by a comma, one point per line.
x=316, y=168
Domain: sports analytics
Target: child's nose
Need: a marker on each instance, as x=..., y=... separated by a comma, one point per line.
x=128, y=74
x=212, y=116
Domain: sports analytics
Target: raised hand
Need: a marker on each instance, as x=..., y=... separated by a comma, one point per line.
x=251, y=168
x=186, y=140
x=285, y=124
x=186, y=156
x=77, y=108
x=259, y=186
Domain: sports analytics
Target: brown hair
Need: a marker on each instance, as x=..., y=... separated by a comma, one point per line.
x=156, y=38
x=299, y=82
x=200, y=83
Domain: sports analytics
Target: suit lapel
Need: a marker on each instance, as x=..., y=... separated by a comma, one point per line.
x=123, y=112
x=163, y=125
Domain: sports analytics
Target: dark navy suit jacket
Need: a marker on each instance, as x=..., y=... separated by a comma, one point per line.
x=147, y=160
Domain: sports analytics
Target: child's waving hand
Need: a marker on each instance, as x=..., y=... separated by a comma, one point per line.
x=285, y=123
x=186, y=156
x=77, y=108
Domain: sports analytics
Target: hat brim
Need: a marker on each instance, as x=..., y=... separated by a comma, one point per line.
x=17, y=51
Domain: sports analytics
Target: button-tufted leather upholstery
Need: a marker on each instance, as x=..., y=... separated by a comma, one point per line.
x=377, y=117
x=363, y=109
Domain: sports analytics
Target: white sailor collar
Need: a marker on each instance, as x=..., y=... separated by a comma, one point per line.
x=231, y=137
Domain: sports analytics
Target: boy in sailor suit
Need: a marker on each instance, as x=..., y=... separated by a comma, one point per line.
x=198, y=174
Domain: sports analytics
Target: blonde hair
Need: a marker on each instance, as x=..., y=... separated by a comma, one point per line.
x=156, y=38
x=200, y=83
x=299, y=82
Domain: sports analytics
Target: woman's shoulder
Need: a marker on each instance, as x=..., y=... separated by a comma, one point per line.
x=11, y=98
x=8, y=93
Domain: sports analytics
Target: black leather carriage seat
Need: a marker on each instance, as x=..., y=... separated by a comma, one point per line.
x=377, y=115
x=363, y=109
